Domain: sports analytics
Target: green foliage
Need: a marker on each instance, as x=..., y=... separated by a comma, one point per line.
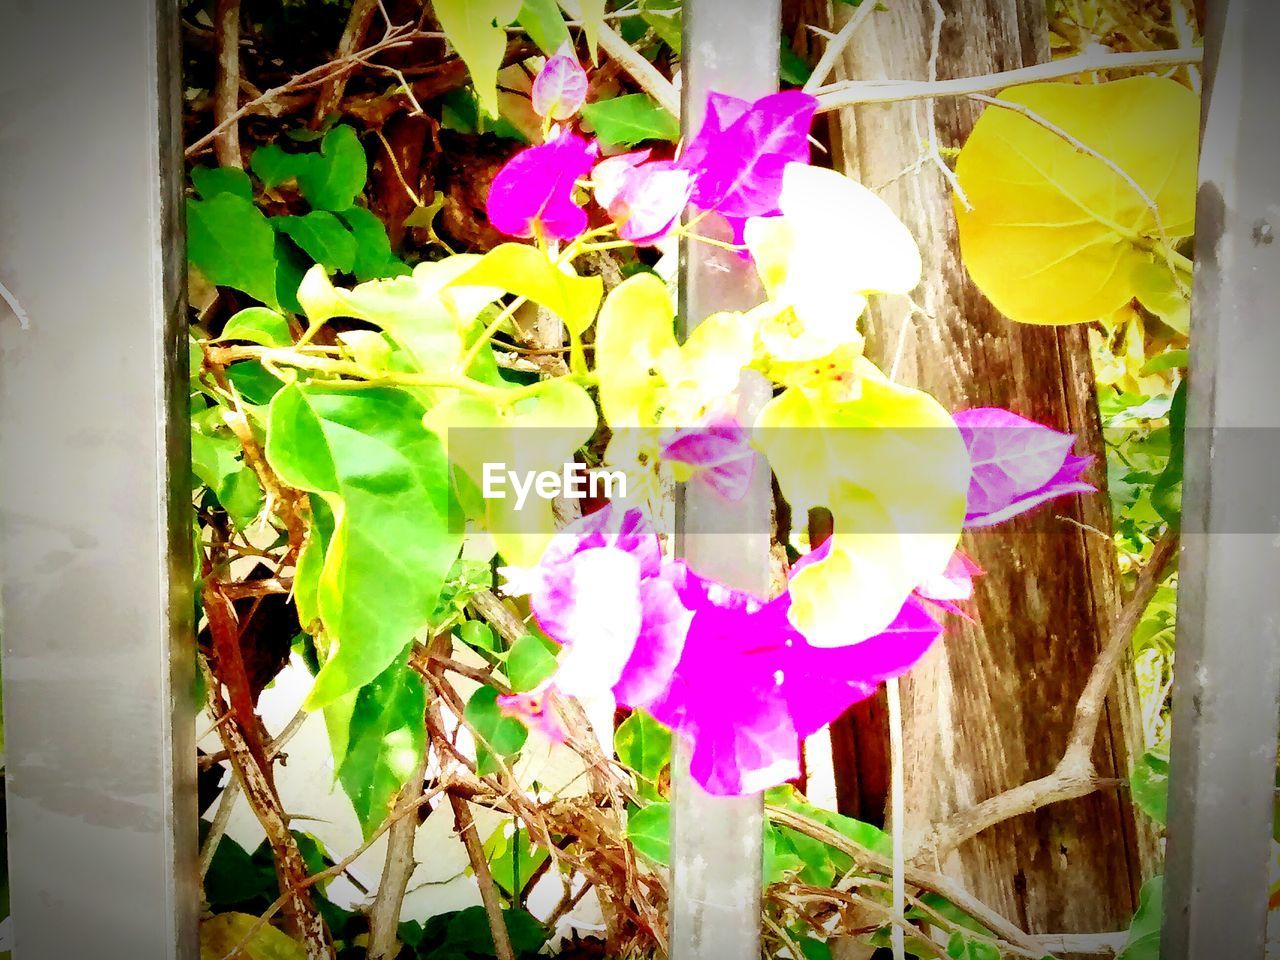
x=258, y=325
x=541, y=19
x=1144, y=931
x=330, y=179
x=465, y=935
x=665, y=19
x=378, y=740
x=649, y=830
x=1149, y=784
x=323, y=237
x=218, y=463
x=631, y=119
x=232, y=244
x=497, y=736
x=385, y=476
x=513, y=860
x=643, y=745
x=530, y=661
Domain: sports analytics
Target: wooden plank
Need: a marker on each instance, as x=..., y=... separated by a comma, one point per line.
x=716, y=841
x=1226, y=695
x=990, y=706
x=95, y=515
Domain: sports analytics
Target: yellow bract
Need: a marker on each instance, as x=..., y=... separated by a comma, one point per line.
x=892, y=468
x=538, y=433
x=528, y=272
x=1055, y=233
x=222, y=934
x=835, y=243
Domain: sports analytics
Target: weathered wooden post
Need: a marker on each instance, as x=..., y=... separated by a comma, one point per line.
x=716, y=841
x=1226, y=695
x=95, y=508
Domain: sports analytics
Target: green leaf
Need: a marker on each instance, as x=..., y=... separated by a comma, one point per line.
x=255, y=384
x=1169, y=360
x=232, y=244
x=220, y=935
x=1149, y=784
x=469, y=932
x=529, y=663
x=541, y=19
x=501, y=734
x=643, y=745
x=386, y=478
x=781, y=861
x=649, y=830
x=218, y=463
x=323, y=237
x=793, y=68
x=962, y=947
x=211, y=181
x=1144, y=931
x=378, y=738
x=664, y=17
x=306, y=579
x=475, y=28
x=632, y=119
x=513, y=859
x=329, y=180
x=258, y=325
x=479, y=636
x=374, y=258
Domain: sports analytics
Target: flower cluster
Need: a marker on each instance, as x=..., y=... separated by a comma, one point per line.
x=733, y=167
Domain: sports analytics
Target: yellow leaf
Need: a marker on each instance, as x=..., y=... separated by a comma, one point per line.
x=592, y=19
x=1166, y=293
x=422, y=313
x=476, y=30
x=221, y=934
x=1055, y=233
x=539, y=433
x=527, y=271
x=893, y=470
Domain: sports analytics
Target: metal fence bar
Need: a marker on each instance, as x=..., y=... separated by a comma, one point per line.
x=716, y=841
x=1226, y=697
x=95, y=525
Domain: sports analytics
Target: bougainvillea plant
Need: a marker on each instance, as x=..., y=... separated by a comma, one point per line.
x=742, y=678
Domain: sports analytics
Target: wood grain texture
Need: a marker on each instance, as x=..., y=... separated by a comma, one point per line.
x=991, y=706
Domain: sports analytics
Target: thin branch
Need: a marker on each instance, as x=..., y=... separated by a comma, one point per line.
x=24, y=321
x=484, y=878
x=836, y=47
x=640, y=69
x=853, y=92
x=226, y=93
x=384, y=917
x=358, y=21
x=265, y=803
x=314, y=77
x=1074, y=775
x=336, y=870
x=916, y=876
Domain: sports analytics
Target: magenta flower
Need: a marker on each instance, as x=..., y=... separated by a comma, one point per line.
x=749, y=688
x=561, y=87
x=954, y=584
x=738, y=156
x=1018, y=464
x=645, y=199
x=533, y=194
x=725, y=670
x=604, y=592
x=718, y=454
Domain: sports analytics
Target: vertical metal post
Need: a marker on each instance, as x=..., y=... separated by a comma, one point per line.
x=716, y=841
x=1226, y=696
x=95, y=526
